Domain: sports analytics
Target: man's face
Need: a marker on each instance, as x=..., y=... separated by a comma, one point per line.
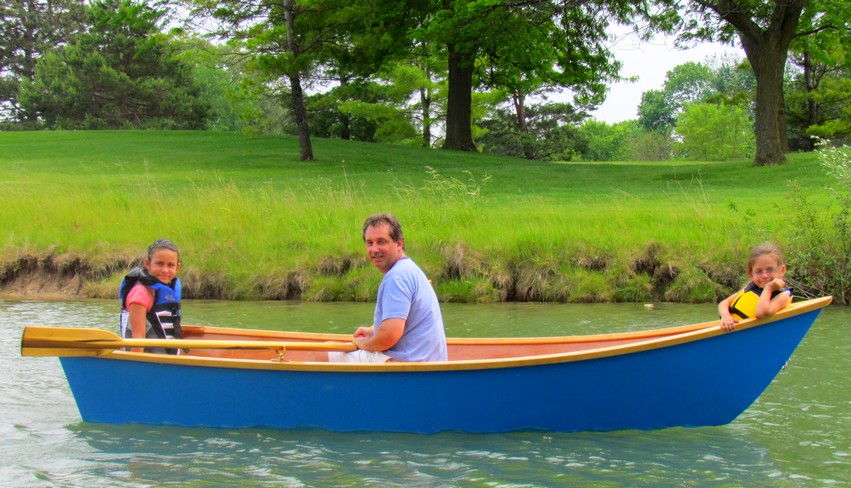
x=381, y=249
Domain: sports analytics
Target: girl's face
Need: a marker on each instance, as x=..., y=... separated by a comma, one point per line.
x=766, y=268
x=163, y=265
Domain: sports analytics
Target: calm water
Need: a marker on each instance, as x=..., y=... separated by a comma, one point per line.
x=797, y=434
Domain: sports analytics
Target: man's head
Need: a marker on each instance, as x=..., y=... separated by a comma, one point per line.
x=385, y=244
x=385, y=218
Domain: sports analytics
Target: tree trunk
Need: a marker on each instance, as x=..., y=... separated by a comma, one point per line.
x=519, y=100
x=345, y=119
x=299, y=110
x=459, y=134
x=810, y=86
x=520, y=109
x=768, y=69
x=766, y=49
x=425, y=103
x=30, y=48
x=781, y=119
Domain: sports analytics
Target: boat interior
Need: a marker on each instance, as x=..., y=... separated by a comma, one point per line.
x=459, y=349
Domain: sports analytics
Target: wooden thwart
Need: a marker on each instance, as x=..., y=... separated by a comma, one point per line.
x=66, y=341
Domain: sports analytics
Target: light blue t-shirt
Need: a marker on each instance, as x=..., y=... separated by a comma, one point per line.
x=405, y=293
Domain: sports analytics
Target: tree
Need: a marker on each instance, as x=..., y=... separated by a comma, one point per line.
x=734, y=82
x=713, y=132
x=123, y=72
x=550, y=132
x=277, y=36
x=430, y=84
x=236, y=103
x=608, y=142
x=726, y=82
x=396, y=105
x=820, y=86
x=766, y=31
x=28, y=29
x=657, y=112
x=328, y=120
x=292, y=39
x=689, y=82
x=493, y=42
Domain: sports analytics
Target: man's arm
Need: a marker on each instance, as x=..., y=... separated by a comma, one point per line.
x=387, y=336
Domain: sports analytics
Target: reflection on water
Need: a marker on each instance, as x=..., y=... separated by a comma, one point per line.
x=797, y=434
x=318, y=458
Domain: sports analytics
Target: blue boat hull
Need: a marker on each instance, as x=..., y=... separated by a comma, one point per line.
x=702, y=382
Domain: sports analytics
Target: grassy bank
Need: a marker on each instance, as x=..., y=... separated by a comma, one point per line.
x=253, y=222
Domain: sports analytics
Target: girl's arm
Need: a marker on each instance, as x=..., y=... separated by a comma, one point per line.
x=728, y=322
x=138, y=322
x=767, y=306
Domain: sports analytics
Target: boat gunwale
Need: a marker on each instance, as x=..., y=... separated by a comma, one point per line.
x=647, y=341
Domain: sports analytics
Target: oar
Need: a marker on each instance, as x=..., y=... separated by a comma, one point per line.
x=65, y=341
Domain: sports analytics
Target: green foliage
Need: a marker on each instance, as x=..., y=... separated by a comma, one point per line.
x=235, y=102
x=292, y=43
x=365, y=111
x=550, y=134
x=820, y=110
x=767, y=30
x=522, y=49
x=726, y=81
x=734, y=82
x=714, y=133
x=651, y=146
x=688, y=83
x=819, y=77
x=820, y=255
x=29, y=29
x=122, y=73
x=608, y=142
x=656, y=112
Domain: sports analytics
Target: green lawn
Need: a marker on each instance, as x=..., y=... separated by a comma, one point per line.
x=253, y=222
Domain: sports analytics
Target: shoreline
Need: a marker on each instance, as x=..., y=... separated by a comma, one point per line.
x=53, y=276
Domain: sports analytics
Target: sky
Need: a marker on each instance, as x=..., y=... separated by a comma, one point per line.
x=650, y=62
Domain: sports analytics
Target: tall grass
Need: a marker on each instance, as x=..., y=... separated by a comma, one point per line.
x=255, y=223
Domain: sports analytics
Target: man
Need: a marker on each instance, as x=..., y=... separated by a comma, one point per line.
x=408, y=323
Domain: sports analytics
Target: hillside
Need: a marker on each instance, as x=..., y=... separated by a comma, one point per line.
x=253, y=222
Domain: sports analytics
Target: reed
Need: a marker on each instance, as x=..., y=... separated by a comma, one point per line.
x=255, y=223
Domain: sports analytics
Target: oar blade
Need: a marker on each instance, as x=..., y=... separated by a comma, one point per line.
x=67, y=334
x=63, y=341
x=41, y=351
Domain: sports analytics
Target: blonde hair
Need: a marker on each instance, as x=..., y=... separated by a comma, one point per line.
x=766, y=249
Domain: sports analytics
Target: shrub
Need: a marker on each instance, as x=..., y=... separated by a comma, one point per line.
x=715, y=133
x=819, y=254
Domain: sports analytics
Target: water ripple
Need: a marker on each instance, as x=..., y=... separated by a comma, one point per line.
x=796, y=435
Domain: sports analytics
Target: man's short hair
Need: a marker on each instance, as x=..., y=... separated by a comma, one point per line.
x=384, y=218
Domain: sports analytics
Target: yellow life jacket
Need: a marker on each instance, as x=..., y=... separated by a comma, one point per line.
x=743, y=305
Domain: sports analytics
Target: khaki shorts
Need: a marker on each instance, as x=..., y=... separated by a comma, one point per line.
x=359, y=356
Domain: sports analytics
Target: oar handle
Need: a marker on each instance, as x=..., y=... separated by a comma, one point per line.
x=68, y=341
x=192, y=344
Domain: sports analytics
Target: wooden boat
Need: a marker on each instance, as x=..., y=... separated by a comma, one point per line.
x=693, y=375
